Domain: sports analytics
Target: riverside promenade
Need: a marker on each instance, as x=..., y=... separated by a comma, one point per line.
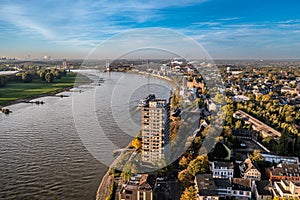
x=104, y=187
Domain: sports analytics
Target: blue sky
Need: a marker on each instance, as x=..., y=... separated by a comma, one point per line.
x=255, y=29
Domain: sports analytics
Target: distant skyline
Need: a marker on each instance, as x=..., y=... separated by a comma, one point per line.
x=227, y=29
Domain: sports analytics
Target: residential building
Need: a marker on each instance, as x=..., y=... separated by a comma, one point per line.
x=139, y=187
x=286, y=189
x=280, y=159
x=195, y=83
x=249, y=170
x=284, y=172
x=206, y=187
x=222, y=169
x=241, y=188
x=155, y=129
x=223, y=187
x=262, y=190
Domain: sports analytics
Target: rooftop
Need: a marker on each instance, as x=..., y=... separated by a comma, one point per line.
x=263, y=187
x=222, y=183
x=285, y=169
x=206, y=185
x=240, y=183
x=228, y=165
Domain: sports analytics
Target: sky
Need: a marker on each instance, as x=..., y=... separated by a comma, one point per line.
x=226, y=29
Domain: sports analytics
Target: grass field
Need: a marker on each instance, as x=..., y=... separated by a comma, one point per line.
x=18, y=90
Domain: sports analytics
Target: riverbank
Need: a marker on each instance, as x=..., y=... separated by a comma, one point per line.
x=108, y=179
x=151, y=74
x=104, y=187
x=17, y=92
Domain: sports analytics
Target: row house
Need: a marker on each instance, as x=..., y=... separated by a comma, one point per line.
x=209, y=188
x=241, y=188
x=284, y=171
x=222, y=169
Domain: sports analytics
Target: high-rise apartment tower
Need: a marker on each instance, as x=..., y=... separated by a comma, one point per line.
x=155, y=129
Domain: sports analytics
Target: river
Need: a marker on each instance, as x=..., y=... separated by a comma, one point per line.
x=41, y=153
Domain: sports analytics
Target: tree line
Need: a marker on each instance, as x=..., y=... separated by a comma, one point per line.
x=46, y=75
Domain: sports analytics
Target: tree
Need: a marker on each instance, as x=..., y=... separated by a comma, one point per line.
x=227, y=132
x=266, y=97
x=128, y=170
x=270, y=143
x=289, y=119
x=251, y=96
x=185, y=178
x=283, y=143
x=198, y=165
x=57, y=74
x=197, y=142
x=63, y=72
x=27, y=77
x=136, y=143
x=219, y=151
x=49, y=77
x=3, y=81
x=219, y=98
x=238, y=124
x=174, y=100
x=256, y=156
x=42, y=76
x=183, y=162
x=189, y=193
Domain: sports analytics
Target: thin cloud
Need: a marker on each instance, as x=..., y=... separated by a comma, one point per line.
x=229, y=19
x=16, y=16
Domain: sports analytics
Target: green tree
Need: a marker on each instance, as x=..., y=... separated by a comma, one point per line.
x=198, y=165
x=283, y=143
x=3, y=81
x=219, y=151
x=27, y=77
x=128, y=170
x=57, y=74
x=49, y=77
x=63, y=72
x=42, y=76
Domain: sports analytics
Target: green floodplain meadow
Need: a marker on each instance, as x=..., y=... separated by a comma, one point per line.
x=14, y=90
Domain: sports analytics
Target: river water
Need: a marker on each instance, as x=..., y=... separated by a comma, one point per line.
x=42, y=156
